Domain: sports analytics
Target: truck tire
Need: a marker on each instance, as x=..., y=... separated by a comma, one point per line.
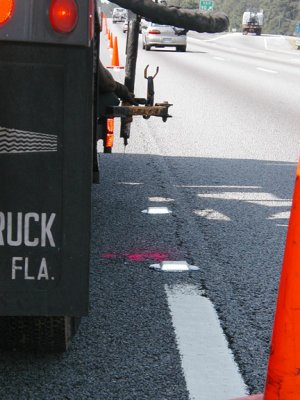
x=37, y=334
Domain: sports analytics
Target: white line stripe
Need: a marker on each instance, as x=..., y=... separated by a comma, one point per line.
x=219, y=58
x=269, y=71
x=208, y=365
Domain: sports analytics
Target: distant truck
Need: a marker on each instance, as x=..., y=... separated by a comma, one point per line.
x=253, y=22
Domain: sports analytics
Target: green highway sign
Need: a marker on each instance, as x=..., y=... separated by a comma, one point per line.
x=206, y=5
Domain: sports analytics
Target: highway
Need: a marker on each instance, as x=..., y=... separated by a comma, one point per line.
x=224, y=166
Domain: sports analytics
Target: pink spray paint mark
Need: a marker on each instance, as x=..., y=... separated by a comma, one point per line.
x=110, y=256
x=138, y=257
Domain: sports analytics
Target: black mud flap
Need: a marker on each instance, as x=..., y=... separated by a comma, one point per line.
x=37, y=334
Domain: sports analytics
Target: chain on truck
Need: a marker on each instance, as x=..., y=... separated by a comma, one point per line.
x=49, y=123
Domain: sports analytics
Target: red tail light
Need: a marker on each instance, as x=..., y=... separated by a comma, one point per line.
x=154, y=32
x=7, y=8
x=63, y=15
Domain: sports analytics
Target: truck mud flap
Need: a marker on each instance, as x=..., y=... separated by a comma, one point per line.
x=37, y=334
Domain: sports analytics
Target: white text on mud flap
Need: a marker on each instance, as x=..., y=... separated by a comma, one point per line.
x=16, y=230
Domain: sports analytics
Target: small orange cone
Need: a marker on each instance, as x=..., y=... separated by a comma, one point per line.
x=283, y=374
x=115, y=63
x=110, y=43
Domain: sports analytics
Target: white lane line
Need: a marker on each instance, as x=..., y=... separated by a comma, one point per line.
x=219, y=58
x=269, y=71
x=208, y=364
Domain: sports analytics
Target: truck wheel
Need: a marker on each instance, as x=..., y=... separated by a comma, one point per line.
x=147, y=47
x=37, y=334
x=181, y=48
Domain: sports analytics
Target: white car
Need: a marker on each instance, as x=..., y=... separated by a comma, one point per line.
x=125, y=26
x=119, y=14
x=155, y=35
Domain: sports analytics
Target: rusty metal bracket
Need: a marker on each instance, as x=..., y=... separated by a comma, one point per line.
x=127, y=111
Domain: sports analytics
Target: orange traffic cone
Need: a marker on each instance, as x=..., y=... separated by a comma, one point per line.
x=110, y=43
x=115, y=56
x=283, y=374
x=115, y=63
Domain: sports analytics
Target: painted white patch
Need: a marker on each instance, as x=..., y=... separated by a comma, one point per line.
x=160, y=199
x=260, y=198
x=212, y=214
x=275, y=203
x=280, y=215
x=208, y=365
x=269, y=71
x=219, y=58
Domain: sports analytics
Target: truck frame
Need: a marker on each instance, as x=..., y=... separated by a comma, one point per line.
x=49, y=124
